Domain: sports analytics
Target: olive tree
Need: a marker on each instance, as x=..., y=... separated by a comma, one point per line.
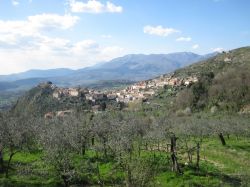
x=16, y=135
x=129, y=132
x=58, y=149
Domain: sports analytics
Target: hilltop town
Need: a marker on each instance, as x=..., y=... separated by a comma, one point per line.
x=138, y=92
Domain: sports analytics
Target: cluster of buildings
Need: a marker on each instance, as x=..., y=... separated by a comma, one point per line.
x=143, y=90
x=88, y=94
x=170, y=80
x=137, y=92
x=68, y=92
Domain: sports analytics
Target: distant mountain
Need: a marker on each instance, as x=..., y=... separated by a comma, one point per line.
x=133, y=67
x=37, y=74
x=20, y=85
x=223, y=83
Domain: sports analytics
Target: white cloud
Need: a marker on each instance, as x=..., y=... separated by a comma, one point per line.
x=106, y=36
x=184, y=39
x=49, y=44
x=34, y=25
x=91, y=52
x=93, y=6
x=15, y=2
x=47, y=52
x=110, y=52
x=84, y=46
x=26, y=44
x=159, y=30
x=113, y=8
x=218, y=49
x=196, y=46
x=53, y=21
x=56, y=53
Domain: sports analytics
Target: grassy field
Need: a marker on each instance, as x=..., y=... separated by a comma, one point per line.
x=220, y=166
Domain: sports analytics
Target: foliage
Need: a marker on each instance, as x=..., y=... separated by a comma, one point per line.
x=146, y=145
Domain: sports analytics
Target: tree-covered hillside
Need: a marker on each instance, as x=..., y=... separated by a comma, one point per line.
x=39, y=101
x=224, y=84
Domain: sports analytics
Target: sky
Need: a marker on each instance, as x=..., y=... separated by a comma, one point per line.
x=48, y=34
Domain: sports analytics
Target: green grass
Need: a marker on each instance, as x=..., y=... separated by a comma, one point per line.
x=27, y=157
x=220, y=166
x=208, y=175
x=28, y=169
x=188, y=179
x=232, y=159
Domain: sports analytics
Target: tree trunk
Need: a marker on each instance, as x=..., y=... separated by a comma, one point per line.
x=65, y=181
x=173, y=144
x=139, y=150
x=198, y=156
x=189, y=152
x=83, y=149
x=222, y=139
x=105, y=150
x=1, y=161
x=129, y=180
x=190, y=160
x=175, y=167
x=129, y=172
x=8, y=165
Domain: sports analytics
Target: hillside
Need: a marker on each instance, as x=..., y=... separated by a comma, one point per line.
x=224, y=84
x=47, y=98
x=119, y=72
x=39, y=101
x=202, y=86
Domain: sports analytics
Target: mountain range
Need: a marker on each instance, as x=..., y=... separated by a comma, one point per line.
x=218, y=83
x=134, y=67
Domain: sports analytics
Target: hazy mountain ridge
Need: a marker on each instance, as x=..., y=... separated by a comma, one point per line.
x=222, y=81
x=36, y=73
x=116, y=73
x=133, y=67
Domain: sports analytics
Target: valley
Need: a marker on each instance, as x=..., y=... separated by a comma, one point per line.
x=189, y=127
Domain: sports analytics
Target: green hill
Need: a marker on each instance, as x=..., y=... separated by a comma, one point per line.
x=224, y=84
x=39, y=101
x=232, y=59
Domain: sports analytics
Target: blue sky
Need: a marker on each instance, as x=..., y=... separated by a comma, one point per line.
x=44, y=34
